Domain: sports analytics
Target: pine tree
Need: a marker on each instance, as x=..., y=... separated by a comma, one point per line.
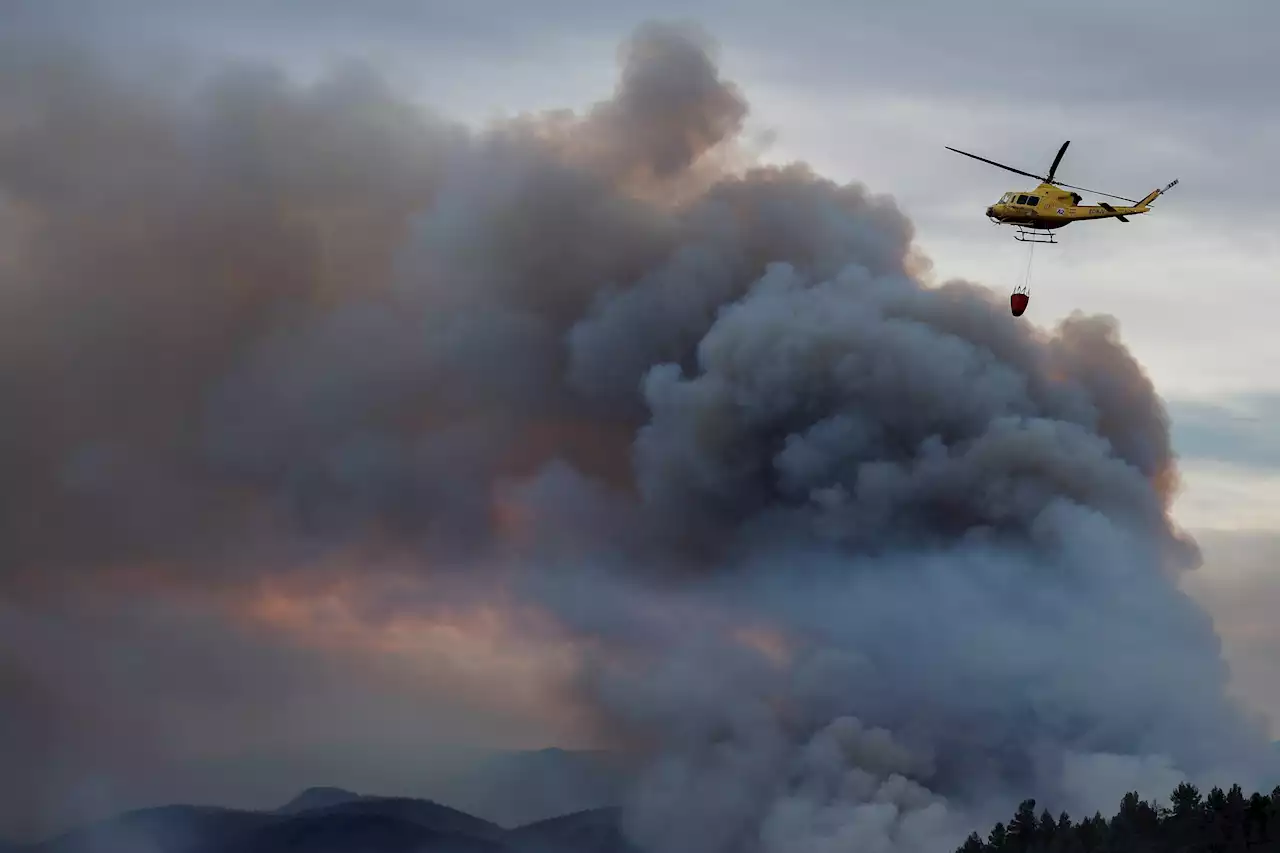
x=1047, y=834
x=998, y=839
x=1022, y=829
x=1221, y=822
x=1183, y=829
x=1259, y=823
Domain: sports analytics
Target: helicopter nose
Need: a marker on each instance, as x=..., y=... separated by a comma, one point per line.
x=991, y=211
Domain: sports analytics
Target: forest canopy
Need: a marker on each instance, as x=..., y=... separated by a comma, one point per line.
x=1191, y=823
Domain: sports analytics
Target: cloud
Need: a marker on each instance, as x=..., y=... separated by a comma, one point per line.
x=1169, y=56
x=1235, y=432
x=843, y=557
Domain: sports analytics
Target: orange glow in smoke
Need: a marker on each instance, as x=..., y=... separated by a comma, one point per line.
x=600, y=450
x=483, y=652
x=768, y=642
x=513, y=521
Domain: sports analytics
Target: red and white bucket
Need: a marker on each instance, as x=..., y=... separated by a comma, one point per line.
x=1018, y=301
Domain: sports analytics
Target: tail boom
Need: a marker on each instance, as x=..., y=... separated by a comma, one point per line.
x=1155, y=194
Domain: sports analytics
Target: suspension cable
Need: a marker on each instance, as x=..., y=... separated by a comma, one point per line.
x=1026, y=276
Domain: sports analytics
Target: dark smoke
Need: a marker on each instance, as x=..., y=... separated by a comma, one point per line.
x=853, y=560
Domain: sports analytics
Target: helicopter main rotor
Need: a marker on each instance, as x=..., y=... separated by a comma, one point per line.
x=1046, y=179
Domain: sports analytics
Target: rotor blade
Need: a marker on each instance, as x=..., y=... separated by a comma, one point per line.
x=1056, y=161
x=994, y=163
x=1095, y=192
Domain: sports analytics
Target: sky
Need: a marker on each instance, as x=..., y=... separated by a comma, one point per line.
x=866, y=92
x=1146, y=93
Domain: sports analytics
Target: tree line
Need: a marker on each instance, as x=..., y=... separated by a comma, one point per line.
x=1222, y=822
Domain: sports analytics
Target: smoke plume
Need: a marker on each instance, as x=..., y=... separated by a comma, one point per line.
x=849, y=561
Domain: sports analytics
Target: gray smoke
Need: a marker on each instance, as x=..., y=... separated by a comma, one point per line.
x=853, y=563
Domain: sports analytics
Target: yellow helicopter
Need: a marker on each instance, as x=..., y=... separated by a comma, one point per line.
x=1049, y=206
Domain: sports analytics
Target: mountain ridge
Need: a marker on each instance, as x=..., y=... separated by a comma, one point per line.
x=334, y=820
x=318, y=797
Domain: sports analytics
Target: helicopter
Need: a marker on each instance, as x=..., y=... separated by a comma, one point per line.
x=1037, y=213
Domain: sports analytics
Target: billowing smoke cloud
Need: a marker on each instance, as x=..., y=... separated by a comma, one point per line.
x=851, y=562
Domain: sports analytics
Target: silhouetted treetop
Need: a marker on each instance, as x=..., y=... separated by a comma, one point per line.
x=1220, y=822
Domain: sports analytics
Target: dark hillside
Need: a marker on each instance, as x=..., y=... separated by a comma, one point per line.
x=330, y=820
x=327, y=832
x=423, y=813
x=593, y=831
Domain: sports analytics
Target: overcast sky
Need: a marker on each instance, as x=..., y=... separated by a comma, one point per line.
x=871, y=91
x=1145, y=91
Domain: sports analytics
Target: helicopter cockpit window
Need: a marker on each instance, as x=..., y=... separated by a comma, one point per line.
x=1007, y=197
x=1022, y=199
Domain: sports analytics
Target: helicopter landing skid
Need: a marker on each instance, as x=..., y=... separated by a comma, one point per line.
x=1034, y=235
